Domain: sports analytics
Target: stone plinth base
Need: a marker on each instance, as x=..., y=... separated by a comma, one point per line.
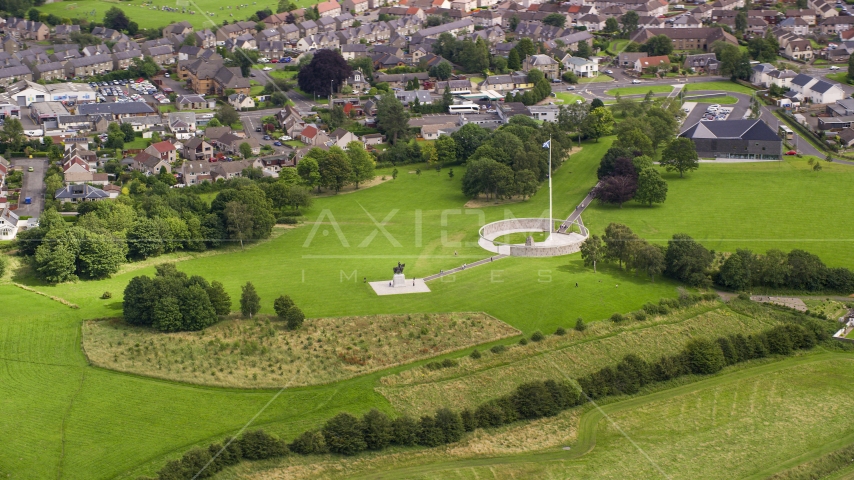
x=398, y=281
x=388, y=288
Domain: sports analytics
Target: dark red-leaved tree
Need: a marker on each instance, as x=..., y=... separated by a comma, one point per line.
x=617, y=190
x=327, y=70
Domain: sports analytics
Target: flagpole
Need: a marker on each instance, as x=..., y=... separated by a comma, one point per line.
x=551, y=222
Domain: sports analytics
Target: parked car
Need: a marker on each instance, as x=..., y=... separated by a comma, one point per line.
x=267, y=137
x=30, y=169
x=266, y=69
x=791, y=152
x=28, y=200
x=609, y=72
x=636, y=81
x=285, y=138
x=277, y=143
x=834, y=67
x=257, y=129
x=570, y=87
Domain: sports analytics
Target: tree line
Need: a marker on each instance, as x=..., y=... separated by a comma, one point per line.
x=687, y=261
x=347, y=434
x=152, y=219
x=335, y=168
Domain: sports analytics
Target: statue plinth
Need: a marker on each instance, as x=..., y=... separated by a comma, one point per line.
x=399, y=280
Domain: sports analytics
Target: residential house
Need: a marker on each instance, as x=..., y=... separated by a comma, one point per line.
x=544, y=63
x=581, y=67
x=756, y=26
x=499, y=83
x=457, y=87
x=822, y=92
x=341, y=138
x=144, y=123
x=355, y=7
x=231, y=143
x=64, y=32
x=434, y=131
x=92, y=178
x=703, y=62
x=124, y=60
x=357, y=80
x=205, y=39
x=8, y=223
x=229, y=170
x=196, y=171
x=836, y=25
x=182, y=124
x=230, y=78
x=48, y=71
x=80, y=193
x=643, y=63
x=592, y=23
x=353, y=51
x=311, y=135
x=454, y=28
x=87, y=66
x=749, y=139
x=116, y=110
x=164, y=150
x=329, y=8
x=179, y=28
x=795, y=26
x=27, y=29
x=197, y=149
x=191, y=102
x=799, y=50
x=686, y=38
x=806, y=14
x=628, y=59
x=240, y=101
x=487, y=18
x=10, y=75
x=150, y=164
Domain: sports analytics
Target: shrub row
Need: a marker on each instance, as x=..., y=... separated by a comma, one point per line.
x=664, y=306
x=205, y=463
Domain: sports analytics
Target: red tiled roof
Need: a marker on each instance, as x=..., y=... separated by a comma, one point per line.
x=347, y=107
x=574, y=9
x=309, y=132
x=163, y=146
x=412, y=10
x=327, y=6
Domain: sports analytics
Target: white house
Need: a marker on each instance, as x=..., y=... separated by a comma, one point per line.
x=582, y=67
x=8, y=224
x=240, y=101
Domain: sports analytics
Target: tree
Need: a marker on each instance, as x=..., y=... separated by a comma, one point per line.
x=250, y=302
x=686, y=260
x=238, y=221
x=592, y=251
x=326, y=71
x=851, y=67
x=741, y=21
x=446, y=150
x=309, y=171
x=282, y=305
x=219, y=298
x=525, y=183
x=526, y=47
x=116, y=19
x=392, y=117
x=294, y=318
x=704, y=356
x=56, y=257
x=555, y=20
x=245, y=150
x=619, y=243
x=651, y=187
x=630, y=21
x=598, y=123
x=100, y=255
x=468, y=139
x=227, y=115
x=584, y=50
x=514, y=22
x=334, y=168
x=450, y=424
x=140, y=296
x=658, y=45
x=13, y=133
x=362, y=166
x=681, y=156
x=344, y=434
x=513, y=61
x=378, y=432
x=616, y=189
x=196, y=308
x=144, y=239
x=442, y=71
x=635, y=140
x=167, y=316
x=650, y=259
x=579, y=325
x=611, y=25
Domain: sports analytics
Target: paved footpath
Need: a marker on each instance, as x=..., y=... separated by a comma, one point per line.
x=575, y=215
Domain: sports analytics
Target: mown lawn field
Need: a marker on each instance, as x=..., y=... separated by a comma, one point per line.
x=147, y=17
x=782, y=205
x=719, y=85
x=639, y=90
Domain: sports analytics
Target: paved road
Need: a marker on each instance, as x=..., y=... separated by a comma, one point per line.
x=33, y=185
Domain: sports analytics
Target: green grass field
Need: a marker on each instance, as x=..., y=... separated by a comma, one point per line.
x=639, y=90
x=147, y=17
x=617, y=46
x=602, y=78
x=568, y=98
x=720, y=85
x=719, y=99
x=138, y=143
x=285, y=74
x=763, y=208
x=841, y=77
x=749, y=421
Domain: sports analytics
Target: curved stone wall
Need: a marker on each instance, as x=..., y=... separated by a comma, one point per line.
x=490, y=231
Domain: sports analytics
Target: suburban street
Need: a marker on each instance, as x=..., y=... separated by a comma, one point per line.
x=33, y=185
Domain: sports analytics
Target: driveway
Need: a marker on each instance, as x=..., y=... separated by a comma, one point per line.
x=33, y=185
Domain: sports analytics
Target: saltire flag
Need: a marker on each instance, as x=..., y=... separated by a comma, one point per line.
x=548, y=144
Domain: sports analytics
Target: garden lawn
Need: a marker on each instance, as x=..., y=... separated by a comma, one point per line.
x=748, y=205
x=601, y=78
x=841, y=77
x=138, y=143
x=617, y=46
x=639, y=90
x=719, y=85
x=285, y=74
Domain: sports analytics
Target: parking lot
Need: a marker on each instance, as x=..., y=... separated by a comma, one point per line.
x=698, y=111
x=125, y=91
